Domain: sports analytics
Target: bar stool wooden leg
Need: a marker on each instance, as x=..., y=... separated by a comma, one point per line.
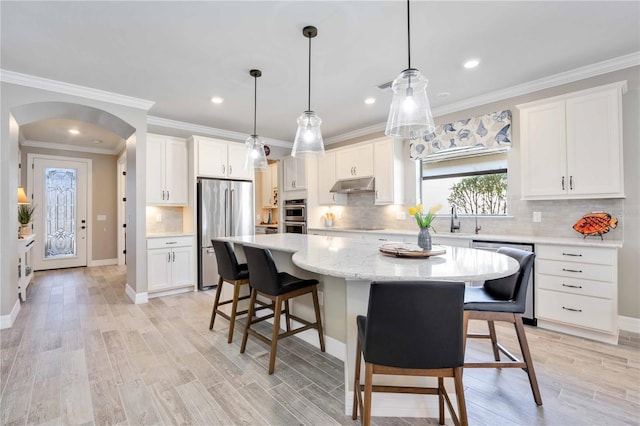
x=494, y=340
x=462, y=405
x=287, y=314
x=356, y=382
x=368, y=389
x=465, y=330
x=215, y=303
x=276, y=332
x=251, y=313
x=316, y=307
x=441, y=392
x=234, y=309
x=524, y=348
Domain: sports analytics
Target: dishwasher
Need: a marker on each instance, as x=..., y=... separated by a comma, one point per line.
x=529, y=313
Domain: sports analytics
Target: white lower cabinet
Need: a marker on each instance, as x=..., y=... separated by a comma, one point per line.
x=170, y=263
x=577, y=290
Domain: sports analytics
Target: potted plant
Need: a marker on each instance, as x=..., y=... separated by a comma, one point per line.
x=25, y=214
x=424, y=222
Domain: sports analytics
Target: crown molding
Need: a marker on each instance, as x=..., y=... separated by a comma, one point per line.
x=27, y=80
x=356, y=133
x=599, y=68
x=209, y=131
x=69, y=147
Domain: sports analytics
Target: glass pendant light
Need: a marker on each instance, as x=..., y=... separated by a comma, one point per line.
x=410, y=113
x=308, y=137
x=256, y=157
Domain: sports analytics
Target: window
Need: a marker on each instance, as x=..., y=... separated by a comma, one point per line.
x=476, y=185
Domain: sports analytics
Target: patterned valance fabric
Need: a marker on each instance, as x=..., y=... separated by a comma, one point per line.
x=490, y=132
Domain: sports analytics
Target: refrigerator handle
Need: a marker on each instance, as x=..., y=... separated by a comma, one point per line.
x=231, y=213
x=226, y=211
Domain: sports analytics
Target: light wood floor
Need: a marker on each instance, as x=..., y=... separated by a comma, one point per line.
x=81, y=353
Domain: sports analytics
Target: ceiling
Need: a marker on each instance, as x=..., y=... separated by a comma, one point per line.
x=180, y=54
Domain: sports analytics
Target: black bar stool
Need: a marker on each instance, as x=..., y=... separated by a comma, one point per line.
x=279, y=287
x=412, y=329
x=231, y=272
x=504, y=299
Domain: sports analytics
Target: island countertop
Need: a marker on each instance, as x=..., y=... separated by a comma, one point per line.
x=354, y=259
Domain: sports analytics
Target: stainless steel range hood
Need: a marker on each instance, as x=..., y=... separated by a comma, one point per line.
x=353, y=185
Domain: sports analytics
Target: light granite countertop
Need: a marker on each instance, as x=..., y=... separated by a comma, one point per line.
x=356, y=259
x=577, y=240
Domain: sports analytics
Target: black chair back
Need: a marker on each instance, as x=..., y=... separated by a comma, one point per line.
x=513, y=287
x=262, y=270
x=228, y=267
x=415, y=324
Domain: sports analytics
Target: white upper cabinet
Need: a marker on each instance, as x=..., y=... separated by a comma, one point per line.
x=572, y=145
x=326, y=178
x=221, y=159
x=269, y=182
x=294, y=173
x=354, y=162
x=388, y=171
x=167, y=171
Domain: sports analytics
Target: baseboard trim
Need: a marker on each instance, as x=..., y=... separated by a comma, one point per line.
x=188, y=289
x=629, y=324
x=136, y=298
x=6, y=321
x=102, y=262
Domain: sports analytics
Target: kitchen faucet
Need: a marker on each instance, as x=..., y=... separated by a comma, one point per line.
x=454, y=215
x=478, y=228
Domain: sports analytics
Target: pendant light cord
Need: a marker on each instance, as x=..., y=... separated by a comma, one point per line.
x=309, y=92
x=255, y=102
x=408, y=34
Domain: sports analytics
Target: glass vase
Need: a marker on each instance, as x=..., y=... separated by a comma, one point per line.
x=424, y=239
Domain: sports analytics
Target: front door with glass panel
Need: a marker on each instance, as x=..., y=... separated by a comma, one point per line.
x=61, y=222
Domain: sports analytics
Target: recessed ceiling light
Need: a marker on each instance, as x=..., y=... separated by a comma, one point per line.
x=97, y=141
x=74, y=131
x=217, y=100
x=443, y=95
x=370, y=101
x=471, y=63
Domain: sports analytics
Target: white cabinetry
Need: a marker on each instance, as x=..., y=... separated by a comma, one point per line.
x=326, y=179
x=221, y=159
x=294, y=174
x=170, y=263
x=354, y=162
x=572, y=145
x=25, y=269
x=577, y=290
x=388, y=171
x=167, y=171
x=269, y=183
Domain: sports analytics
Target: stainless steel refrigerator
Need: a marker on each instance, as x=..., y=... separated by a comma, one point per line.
x=225, y=208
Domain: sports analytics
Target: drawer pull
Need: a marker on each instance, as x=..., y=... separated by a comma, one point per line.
x=571, y=286
x=171, y=242
x=571, y=270
x=571, y=309
x=571, y=254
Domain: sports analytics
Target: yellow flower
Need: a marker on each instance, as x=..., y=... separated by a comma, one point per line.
x=419, y=208
x=412, y=211
x=435, y=208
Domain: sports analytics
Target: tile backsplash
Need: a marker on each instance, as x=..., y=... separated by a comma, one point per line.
x=558, y=217
x=170, y=219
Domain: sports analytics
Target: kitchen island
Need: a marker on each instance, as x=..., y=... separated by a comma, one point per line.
x=345, y=268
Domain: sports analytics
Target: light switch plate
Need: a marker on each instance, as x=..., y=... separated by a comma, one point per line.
x=537, y=217
x=401, y=216
x=101, y=218
x=159, y=218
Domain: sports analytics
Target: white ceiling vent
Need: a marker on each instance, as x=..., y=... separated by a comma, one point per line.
x=385, y=86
